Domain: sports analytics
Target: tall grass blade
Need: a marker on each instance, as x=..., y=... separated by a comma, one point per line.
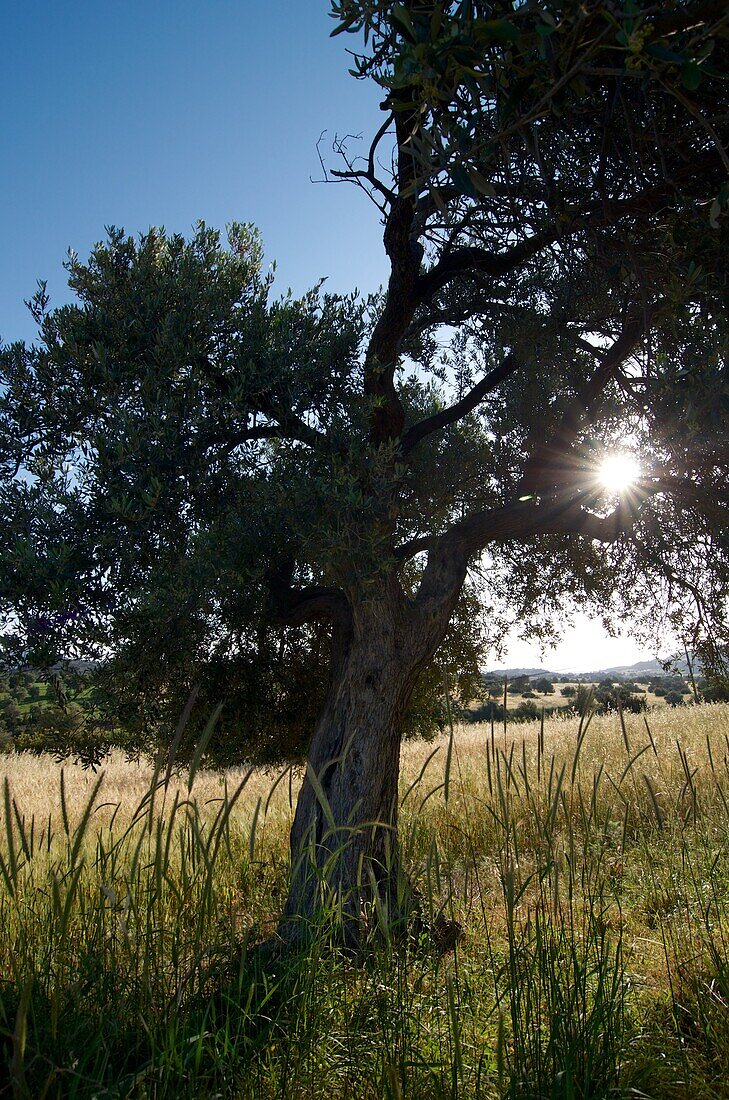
x=10, y=835
x=274, y=787
x=654, y=802
x=629, y=766
x=448, y=762
x=650, y=735
x=203, y=744
x=252, y=832
x=80, y=830
x=455, y=1029
x=64, y=808
x=623, y=727
x=19, y=1040
x=181, y=727
x=321, y=797
x=418, y=780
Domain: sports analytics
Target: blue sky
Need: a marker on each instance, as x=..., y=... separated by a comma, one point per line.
x=139, y=114
x=136, y=114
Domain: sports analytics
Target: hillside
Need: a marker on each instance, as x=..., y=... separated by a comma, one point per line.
x=629, y=672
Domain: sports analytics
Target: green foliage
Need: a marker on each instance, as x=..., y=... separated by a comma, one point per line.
x=526, y=711
x=714, y=657
x=605, y=698
x=444, y=60
x=158, y=499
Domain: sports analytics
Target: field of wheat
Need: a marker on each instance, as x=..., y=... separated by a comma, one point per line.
x=586, y=862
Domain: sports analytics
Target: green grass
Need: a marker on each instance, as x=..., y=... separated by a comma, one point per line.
x=587, y=864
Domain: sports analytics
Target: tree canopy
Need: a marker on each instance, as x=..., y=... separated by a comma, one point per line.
x=165, y=427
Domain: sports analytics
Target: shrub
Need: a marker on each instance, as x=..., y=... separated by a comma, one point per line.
x=486, y=712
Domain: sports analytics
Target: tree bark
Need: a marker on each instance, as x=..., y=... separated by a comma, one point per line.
x=345, y=869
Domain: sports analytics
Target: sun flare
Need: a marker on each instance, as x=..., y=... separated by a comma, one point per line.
x=619, y=471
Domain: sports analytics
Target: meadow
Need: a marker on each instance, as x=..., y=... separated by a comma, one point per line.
x=585, y=861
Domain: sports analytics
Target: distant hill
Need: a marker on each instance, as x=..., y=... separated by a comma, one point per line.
x=629, y=672
x=509, y=673
x=76, y=666
x=650, y=668
x=639, y=666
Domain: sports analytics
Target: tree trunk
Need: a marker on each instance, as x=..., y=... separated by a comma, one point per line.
x=344, y=848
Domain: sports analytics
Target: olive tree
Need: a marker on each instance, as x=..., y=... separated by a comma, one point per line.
x=200, y=478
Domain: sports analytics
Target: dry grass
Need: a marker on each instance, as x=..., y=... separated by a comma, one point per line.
x=35, y=784
x=35, y=780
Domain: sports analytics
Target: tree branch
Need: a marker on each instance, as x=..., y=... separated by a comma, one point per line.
x=450, y=553
x=461, y=408
x=291, y=426
x=369, y=174
x=288, y=427
x=412, y=547
x=525, y=519
x=596, y=214
x=690, y=492
x=693, y=15
x=406, y=254
x=473, y=259
x=297, y=606
x=548, y=465
x=308, y=605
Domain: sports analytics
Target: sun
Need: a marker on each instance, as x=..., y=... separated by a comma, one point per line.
x=619, y=471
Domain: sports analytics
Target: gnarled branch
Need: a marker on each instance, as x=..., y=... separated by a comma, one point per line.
x=596, y=214
x=307, y=605
x=548, y=462
x=461, y=408
x=463, y=261
x=368, y=175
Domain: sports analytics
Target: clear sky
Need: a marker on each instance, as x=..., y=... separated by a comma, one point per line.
x=585, y=647
x=136, y=114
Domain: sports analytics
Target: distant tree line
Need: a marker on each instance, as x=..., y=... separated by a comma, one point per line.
x=580, y=693
x=41, y=715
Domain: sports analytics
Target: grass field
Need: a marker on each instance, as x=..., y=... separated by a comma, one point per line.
x=587, y=863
